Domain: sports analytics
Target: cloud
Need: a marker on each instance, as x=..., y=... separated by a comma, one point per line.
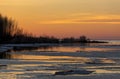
x=80, y=21
x=100, y=20
x=86, y=18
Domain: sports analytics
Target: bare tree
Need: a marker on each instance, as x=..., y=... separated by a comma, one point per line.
x=8, y=28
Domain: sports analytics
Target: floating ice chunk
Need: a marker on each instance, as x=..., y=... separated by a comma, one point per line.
x=72, y=72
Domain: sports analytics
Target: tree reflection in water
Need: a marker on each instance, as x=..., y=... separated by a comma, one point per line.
x=5, y=55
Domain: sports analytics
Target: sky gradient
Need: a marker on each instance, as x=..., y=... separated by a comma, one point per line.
x=97, y=19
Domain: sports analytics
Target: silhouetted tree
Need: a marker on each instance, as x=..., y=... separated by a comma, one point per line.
x=68, y=40
x=9, y=32
x=83, y=39
x=8, y=28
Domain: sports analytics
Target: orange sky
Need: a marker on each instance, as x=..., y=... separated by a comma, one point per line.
x=61, y=18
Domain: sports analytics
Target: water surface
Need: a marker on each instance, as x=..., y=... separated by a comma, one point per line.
x=43, y=62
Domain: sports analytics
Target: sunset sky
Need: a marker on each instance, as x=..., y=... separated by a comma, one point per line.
x=97, y=19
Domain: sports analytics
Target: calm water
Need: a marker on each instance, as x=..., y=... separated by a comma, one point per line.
x=43, y=62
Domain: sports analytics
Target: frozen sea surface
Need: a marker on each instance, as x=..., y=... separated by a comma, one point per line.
x=44, y=62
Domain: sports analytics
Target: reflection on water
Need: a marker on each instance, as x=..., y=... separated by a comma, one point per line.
x=64, y=49
x=5, y=55
x=43, y=58
x=74, y=49
x=67, y=47
x=25, y=66
x=43, y=62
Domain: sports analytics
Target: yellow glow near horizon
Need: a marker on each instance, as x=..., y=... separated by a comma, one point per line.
x=61, y=18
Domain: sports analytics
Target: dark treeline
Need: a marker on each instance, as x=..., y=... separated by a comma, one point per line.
x=10, y=33
x=6, y=28
x=47, y=39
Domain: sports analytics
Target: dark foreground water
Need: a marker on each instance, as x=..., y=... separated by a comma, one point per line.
x=43, y=62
